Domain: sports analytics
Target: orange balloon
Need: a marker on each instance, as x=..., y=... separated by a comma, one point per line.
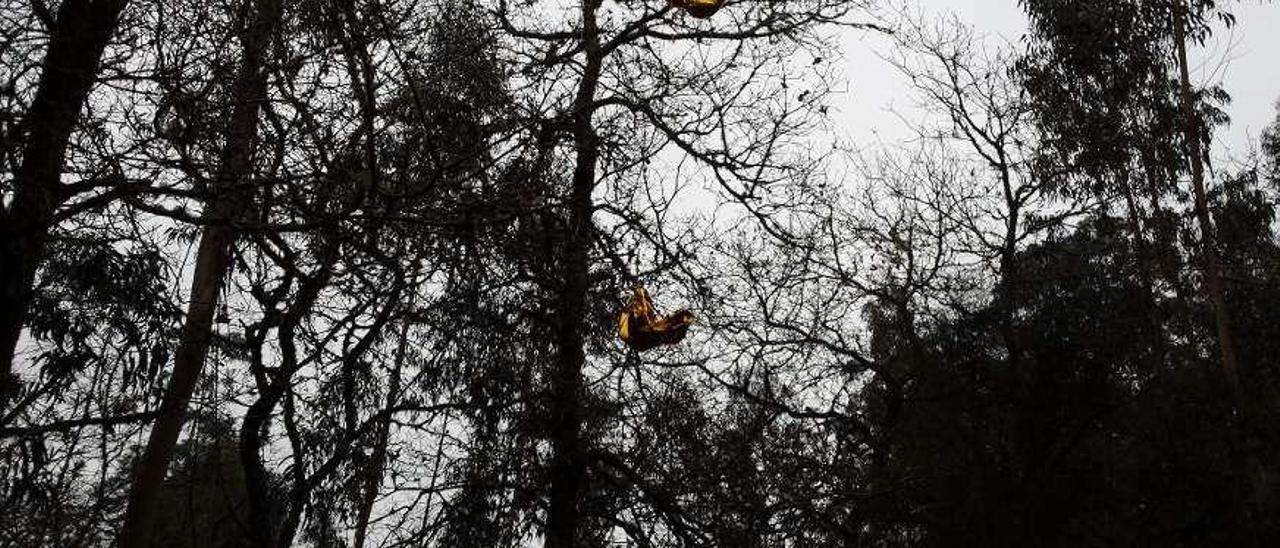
x=700, y=9
x=642, y=329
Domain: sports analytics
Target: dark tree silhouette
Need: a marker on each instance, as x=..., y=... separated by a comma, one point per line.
x=78, y=34
x=329, y=273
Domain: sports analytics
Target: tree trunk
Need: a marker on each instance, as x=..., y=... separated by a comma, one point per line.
x=568, y=466
x=261, y=527
x=293, y=507
x=257, y=481
x=229, y=198
x=150, y=470
x=1007, y=283
x=77, y=39
x=1208, y=236
x=1246, y=433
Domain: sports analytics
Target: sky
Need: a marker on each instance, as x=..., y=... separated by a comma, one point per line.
x=1244, y=60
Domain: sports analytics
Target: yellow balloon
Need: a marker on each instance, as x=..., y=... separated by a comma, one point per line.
x=641, y=328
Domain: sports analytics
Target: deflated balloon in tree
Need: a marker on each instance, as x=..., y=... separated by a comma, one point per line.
x=642, y=329
x=700, y=9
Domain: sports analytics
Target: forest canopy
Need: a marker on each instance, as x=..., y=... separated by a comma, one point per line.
x=590, y=273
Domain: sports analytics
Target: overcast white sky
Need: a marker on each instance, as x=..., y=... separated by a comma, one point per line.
x=1244, y=60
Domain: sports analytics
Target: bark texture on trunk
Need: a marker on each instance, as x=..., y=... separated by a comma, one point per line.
x=229, y=199
x=77, y=40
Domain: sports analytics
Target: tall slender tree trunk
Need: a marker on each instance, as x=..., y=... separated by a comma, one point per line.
x=1008, y=281
x=1212, y=261
x=1208, y=236
x=569, y=466
x=78, y=38
x=230, y=195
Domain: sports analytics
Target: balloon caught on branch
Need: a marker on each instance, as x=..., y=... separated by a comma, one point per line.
x=700, y=9
x=642, y=329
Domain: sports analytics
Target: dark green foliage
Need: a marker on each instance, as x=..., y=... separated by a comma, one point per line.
x=1271, y=154
x=1101, y=74
x=103, y=299
x=1082, y=441
x=417, y=342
